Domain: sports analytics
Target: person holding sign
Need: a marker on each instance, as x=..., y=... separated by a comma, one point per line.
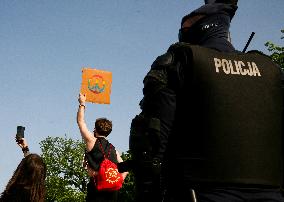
x=103, y=128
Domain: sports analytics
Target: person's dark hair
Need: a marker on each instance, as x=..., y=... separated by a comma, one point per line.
x=103, y=126
x=28, y=181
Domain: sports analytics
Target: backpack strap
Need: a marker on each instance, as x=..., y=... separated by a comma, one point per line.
x=101, y=146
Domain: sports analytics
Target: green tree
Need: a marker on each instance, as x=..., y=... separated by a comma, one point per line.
x=277, y=52
x=66, y=179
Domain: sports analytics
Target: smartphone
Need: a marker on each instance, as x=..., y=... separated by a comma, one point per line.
x=20, y=132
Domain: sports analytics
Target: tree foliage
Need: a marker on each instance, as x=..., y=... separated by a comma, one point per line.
x=277, y=52
x=66, y=179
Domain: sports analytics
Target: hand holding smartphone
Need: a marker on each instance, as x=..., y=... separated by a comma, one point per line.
x=20, y=133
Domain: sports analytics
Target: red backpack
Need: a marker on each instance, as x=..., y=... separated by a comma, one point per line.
x=108, y=178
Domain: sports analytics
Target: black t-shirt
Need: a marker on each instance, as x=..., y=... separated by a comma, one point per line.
x=95, y=156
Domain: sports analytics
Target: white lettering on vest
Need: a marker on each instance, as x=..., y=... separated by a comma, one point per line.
x=236, y=67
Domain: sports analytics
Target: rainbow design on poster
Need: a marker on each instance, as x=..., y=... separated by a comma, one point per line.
x=99, y=84
x=96, y=85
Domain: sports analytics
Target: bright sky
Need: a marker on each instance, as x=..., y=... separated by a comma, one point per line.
x=45, y=44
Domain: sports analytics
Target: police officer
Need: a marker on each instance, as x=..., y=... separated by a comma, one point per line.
x=211, y=122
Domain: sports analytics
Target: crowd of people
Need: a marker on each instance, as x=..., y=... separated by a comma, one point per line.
x=194, y=140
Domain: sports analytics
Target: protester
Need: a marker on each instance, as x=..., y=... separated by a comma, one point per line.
x=94, y=155
x=210, y=128
x=28, y=181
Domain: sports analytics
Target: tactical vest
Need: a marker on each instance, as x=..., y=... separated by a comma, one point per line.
x=228, y=125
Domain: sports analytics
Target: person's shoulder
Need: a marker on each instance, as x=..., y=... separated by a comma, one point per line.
x=105, y=142
x=268, y=58
x=165, y=59
x=263, y=55
x=178, y=46
x=168, y=58
x=183, y=50
x=258, y=52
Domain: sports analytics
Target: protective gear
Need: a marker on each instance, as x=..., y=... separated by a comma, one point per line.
x=144, y=137
x=212, y=29
x=224, y=141
x=146, y=142
x=201, y=87
x=220, y=112
x=214, y=9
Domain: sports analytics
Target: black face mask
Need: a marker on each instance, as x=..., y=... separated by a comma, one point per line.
x=216, y=26
x=194, y=34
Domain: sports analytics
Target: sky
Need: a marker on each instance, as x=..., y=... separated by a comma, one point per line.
x=45, y=44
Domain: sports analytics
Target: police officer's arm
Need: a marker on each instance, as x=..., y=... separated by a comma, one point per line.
x=159, y=100
x=120, y=160
x=88, y=137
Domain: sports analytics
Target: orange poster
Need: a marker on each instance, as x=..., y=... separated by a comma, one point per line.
x=96, y=84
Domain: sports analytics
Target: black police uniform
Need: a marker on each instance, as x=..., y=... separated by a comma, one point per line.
x=211, y=118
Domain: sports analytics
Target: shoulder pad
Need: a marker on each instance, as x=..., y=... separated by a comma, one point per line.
x=267, y=56
x=179, y=45
x=257, y=52
x=163, y=60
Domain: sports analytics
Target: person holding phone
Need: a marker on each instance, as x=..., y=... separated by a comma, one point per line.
x=27, y=183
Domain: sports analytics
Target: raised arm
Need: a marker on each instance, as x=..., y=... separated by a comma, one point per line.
x=24, y=146
x=88, y=136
